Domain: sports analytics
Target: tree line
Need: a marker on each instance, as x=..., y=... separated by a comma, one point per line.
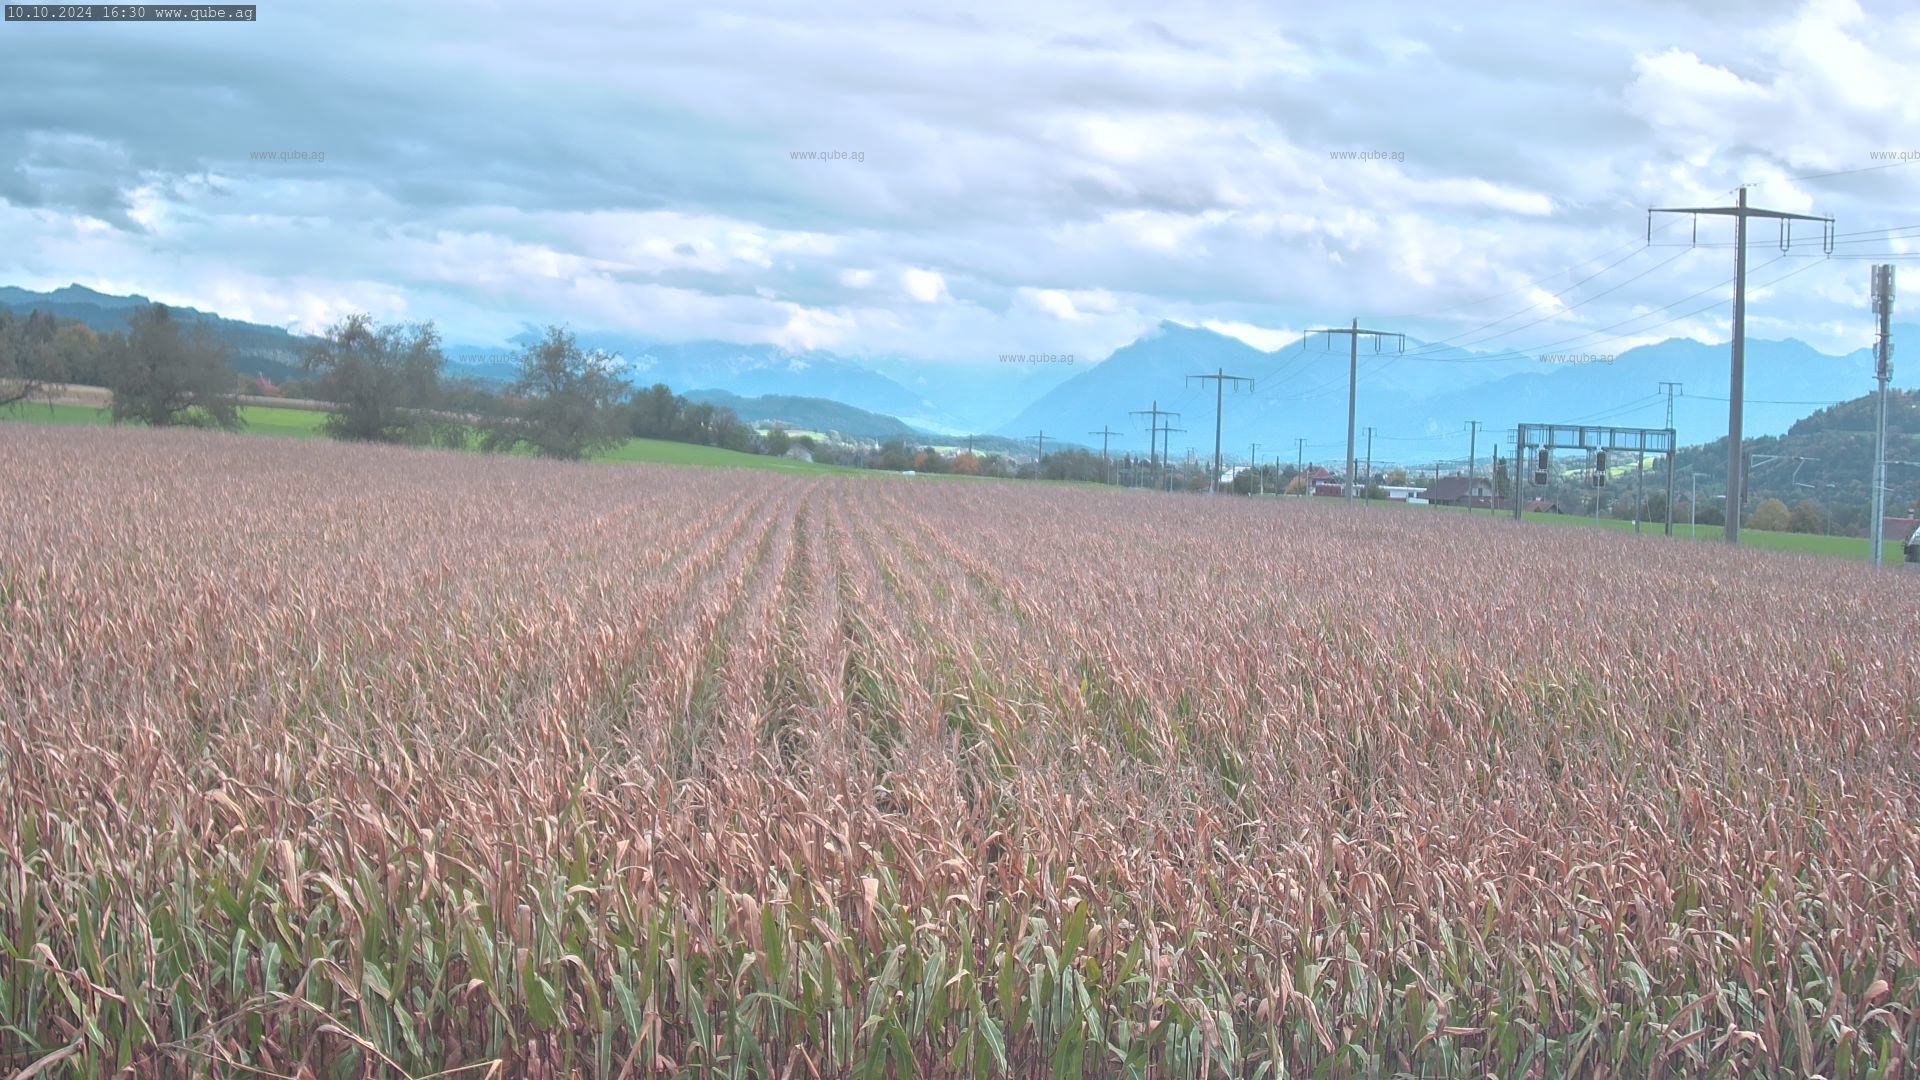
x=380, y=383
x=158, y=372
x=390, y=383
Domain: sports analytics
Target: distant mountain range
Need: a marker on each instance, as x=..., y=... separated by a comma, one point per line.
x=808, y=414
x=1418, y=403
x=257, y=350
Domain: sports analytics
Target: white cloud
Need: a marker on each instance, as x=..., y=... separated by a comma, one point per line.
x=926, y=286
x=809, y=328
x=1069, y=305
x=1065, y=172
x=1264, y=338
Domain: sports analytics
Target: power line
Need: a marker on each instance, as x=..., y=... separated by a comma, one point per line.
x=1522, y=354
x=1422, y=438
x=1866, y=232
x=1106, y=465
x=1825, y=175
x=1531, y=283
x=1765, y=401
x=1153, y=434
x=1741, y=213
x=1220, y=379
x=1570, y=307
x=1517, y=354
x=1535, y=306
x=1354, y=334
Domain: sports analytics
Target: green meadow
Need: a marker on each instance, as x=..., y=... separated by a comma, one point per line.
x=305, y=424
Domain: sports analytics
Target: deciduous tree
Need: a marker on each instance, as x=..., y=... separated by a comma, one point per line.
x=1806, y=518
x=29, y=356
x=383, y=381
x=1770, y=516
x=565, y=401
x=164, y=376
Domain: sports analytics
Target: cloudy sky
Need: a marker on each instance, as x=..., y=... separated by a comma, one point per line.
x=1048, y=176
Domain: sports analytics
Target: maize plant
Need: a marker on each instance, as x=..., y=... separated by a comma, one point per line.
x=323, y=760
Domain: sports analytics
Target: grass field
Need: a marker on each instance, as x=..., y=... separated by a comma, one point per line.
x=299, y=423
x=1838, y=547
x=347, y=761
x=658, y=452
x=260, y=420
x=305, y=423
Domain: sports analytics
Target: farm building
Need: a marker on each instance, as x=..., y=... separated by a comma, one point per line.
x=1459, y=491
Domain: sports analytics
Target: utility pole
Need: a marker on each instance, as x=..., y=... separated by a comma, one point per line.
x=1153, y=432
x=1220, y=380
x=1106, y=466
x=1693, y=508
x=1166, y=455
x=1473, y=457
x=1369, y=460
x=1593, y=469
x=1640, y=489
x=1353, y=379
x=1673, y=451
x=1253, y=460
x=1300, y=462
x=1736, y=390
x=1040, y=456
x=1883, y=353
x=1670, y=389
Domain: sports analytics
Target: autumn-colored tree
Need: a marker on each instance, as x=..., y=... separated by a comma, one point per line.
x=1770, y=516
x=1806, y=518
x=1298, y=487
x=965, y=464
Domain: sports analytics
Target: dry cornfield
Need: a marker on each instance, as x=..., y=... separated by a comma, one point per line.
x=324, y=760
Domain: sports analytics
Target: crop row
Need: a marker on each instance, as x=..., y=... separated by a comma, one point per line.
x=376, y=762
